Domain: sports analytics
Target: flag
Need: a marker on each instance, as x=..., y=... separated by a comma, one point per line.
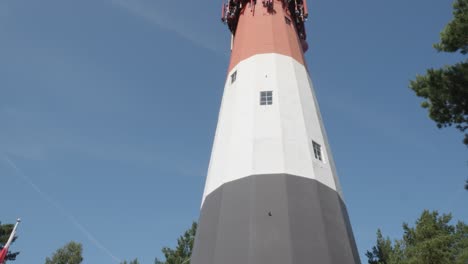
x=4, y=251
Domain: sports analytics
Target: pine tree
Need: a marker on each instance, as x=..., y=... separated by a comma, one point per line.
x=433, y=240
x=71, y=253
x=445, y=90
x=183, y=251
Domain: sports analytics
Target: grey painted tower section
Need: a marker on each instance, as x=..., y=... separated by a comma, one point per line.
x=274, y=219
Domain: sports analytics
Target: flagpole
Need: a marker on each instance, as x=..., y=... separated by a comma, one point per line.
x=4, y=251
x=13, y=233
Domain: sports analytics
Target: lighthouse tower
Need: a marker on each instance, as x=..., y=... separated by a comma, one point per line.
x=272, y=195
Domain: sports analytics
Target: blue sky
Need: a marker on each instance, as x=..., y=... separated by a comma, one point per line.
x=108, y=110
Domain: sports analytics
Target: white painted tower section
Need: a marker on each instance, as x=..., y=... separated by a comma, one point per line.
x=254, y=139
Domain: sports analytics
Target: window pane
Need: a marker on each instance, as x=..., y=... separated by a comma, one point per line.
x=266, y=97
x=233, y=77
x=317, y=150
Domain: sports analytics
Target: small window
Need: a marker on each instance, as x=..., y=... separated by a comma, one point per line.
x=317, y=150
x=266, y=98
x=233, y=77
x=287, y=20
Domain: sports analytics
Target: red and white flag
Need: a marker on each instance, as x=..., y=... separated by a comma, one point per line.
x=4, y=251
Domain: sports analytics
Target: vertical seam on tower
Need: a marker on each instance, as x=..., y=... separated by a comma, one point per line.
x=324, y=226
x=233, y=94
x=303, y=119
x=283, y=157
x=214, y=147
x=254, y=108
x=252, y=218
x=331, y=161
x=219, y=218
x=291, y=253
x=281, y=123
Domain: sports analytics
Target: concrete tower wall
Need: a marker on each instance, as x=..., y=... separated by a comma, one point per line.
x=271, y=195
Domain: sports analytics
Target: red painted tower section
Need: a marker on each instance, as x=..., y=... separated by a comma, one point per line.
x=271, y=27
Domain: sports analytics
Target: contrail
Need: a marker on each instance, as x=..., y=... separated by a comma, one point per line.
x=62, y=210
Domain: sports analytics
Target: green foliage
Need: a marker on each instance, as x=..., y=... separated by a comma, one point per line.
x=446, y=94
x=445, y=90
x=433, y=240
x=181, y=254
x=454, y=37
x=68, y=254
x=5, y=231
x=135, y=261
x=381, y=252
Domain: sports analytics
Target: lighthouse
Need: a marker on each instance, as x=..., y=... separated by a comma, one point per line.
x=272, y=195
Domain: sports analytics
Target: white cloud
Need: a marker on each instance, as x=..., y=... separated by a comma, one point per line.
x=171, y=22
x=40, y=136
